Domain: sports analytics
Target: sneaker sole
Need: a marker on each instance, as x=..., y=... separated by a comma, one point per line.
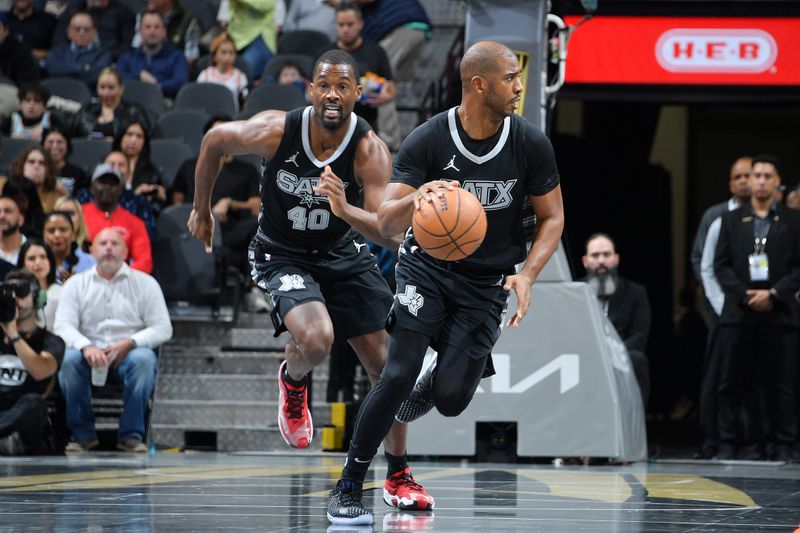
x=397, y=503
x=363, y=520
x=284, y=431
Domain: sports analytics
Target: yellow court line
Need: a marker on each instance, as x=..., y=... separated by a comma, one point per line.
x=597, y=486
x=693, y=488
x=108, y=479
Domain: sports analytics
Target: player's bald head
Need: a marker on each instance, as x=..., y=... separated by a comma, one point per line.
x=481, y=59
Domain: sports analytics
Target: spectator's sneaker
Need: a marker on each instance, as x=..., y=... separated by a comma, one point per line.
x=420, y=401
x=82, y=446
x=132, y=444
x=345, y=506
x=400, y=521
x=401, y=491
x=12, y=444
x=294, y=418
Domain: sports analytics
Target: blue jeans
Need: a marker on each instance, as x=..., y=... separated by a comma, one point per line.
x=137, y=372
x=256, y=54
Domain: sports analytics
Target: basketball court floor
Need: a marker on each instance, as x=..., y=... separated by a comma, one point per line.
x=112, y=492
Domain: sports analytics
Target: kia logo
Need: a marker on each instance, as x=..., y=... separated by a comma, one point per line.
x=716, y=50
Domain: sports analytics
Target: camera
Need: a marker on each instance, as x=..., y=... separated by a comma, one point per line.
x=9, y=291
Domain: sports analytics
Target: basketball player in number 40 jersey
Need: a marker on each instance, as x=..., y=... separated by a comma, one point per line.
x=308, y=253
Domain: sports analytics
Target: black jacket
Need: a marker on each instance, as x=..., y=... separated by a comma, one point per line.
x=629, y=311
x=732, y=267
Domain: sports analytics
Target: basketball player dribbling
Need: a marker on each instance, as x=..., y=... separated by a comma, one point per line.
x=307, y=253
x=456, y=307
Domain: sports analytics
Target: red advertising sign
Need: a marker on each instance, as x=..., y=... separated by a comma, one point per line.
x=684, y=50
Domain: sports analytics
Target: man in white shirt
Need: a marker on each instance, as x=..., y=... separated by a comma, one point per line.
x=111, y=316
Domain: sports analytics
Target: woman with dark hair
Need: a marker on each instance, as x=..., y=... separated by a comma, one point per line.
x=144, y=178
x=34, y=164
x=36, y=257
x=57, y=144
x=59, y=234
x=105, y=116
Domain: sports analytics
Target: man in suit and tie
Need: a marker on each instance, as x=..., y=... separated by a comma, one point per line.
x=757, y=263
x=624, y=302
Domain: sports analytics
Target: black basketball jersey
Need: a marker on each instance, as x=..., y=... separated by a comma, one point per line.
x=292, y=214
x=501, y=171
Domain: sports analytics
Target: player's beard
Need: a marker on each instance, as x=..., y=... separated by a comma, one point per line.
x=329, y=123
x=603, y=283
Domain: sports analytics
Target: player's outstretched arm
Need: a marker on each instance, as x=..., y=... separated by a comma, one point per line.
x=401, y=200
x=260, y=135
x=549, y=209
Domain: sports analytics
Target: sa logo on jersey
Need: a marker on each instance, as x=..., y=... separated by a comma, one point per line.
x=492, y=194
x=302, y=187
x=291, y=282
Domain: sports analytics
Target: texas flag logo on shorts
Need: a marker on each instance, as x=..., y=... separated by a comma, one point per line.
x=411, y=299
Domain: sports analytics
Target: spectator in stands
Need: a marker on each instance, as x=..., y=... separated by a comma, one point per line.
x=58, y=146
x=37, y=258
x=23, y=191
x=11, y=239
x=156, y=61
x=373, y=65
x=83, y=56
x=253, y=28
x=758, y=326
x=222, y=70
x=113, y=20
x=624, y=302
x=401, y=27
x=291, y=74
x=312, y=15
x=32, y=118
x=143, y=179
x=235, y=201
x=72, y=207
x=16, y=59
x=33, y=26
x=104, y=117
x=110, y=316
x=34, y=164
x=136, y=204
x=702, y=259
x=31, y=356
x=105, y=212
x=59, y=234
x=183, y=29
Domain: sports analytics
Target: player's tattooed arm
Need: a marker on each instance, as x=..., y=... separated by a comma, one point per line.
x=549, y=210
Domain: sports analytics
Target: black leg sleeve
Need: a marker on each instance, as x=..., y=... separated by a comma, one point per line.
x=28, y=416
x=406, y=354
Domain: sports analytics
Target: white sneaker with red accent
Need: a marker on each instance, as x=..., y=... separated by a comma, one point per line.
x=401, y=491
x=294, y=417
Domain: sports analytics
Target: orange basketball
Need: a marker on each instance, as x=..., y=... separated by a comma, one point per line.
x=452, y=227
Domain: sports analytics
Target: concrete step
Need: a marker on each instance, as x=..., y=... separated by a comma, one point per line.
x=218, y=414
x=229, y=439
x=254, y=332
x=229, y=387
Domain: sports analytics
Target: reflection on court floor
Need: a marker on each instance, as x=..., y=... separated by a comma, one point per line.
x=208, y=491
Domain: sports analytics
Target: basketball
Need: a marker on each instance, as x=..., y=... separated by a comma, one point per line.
x=452, y=227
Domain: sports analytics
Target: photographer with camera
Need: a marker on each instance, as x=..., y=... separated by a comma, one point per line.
x=30, y=356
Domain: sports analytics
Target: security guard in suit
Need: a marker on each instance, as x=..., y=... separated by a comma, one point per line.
x=757, y=263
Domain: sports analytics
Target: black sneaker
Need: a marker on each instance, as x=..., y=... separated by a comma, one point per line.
x=420, y=401
x=12, y=445
x=345, y=507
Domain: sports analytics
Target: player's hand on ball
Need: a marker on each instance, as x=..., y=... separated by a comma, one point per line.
x=428, y=192
x=522, y=288
x=331, y=186
x=202, y=228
